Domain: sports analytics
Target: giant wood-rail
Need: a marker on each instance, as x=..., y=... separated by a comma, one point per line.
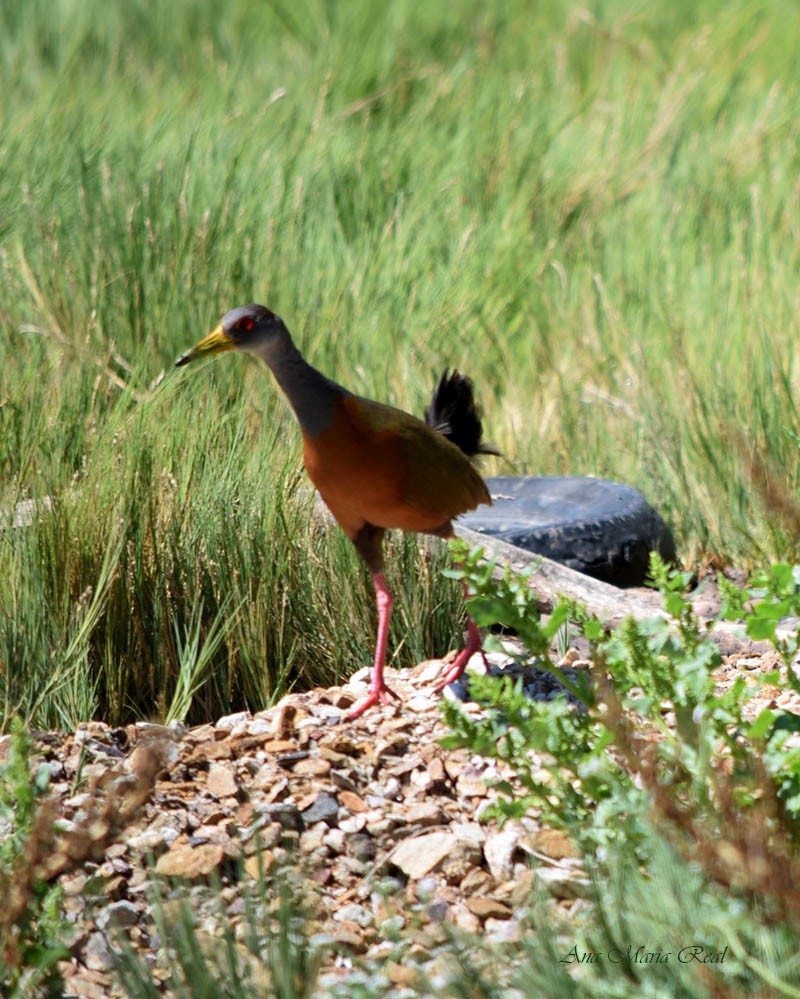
x=376, y=467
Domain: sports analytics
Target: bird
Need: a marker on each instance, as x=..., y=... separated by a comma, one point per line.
x=376, y=467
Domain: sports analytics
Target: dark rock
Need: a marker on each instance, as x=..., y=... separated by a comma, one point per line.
x=324, y=809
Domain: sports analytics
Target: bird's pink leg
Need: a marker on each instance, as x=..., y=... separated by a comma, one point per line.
x=474, y=644
x=379, y=693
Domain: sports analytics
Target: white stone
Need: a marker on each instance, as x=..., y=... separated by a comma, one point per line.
x=499, y=851
x=419, y=856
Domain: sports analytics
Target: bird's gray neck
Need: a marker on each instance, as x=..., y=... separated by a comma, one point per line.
x=310, y=393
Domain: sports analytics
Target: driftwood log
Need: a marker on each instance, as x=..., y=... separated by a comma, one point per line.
x=549, y=581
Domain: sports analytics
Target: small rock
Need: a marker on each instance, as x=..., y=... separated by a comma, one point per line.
x=428, y=671
x=352, y=801
x=419, y=855
x=466, y=920
x=324, y=809
x=404, y=765
x=424, y=813
x=351, y=935
x=86, y=983
x=564, y=882
x=458, y=690
x=55, y=769
x=184, y=861
x=147, y=841
x=238, y=720
x=328, y=713
x=499, y=850
x=345, y=867
x=387, y=887
x=352, y=824
x=391, y=927
x=97, y=954
x=282, y=811
x=362, y=846
x=570, y=657
x=464, y=856
x=314, y=766
x=283, y=723
x=502, y=930
x=471, y=784
x=436, y=771
x=476, y=665
x=353, y=912
x=476, y=881
x=260, y=726
x=484, y=907
x=73, y=883
x=552, y=843
x=520, y=889
x=377, y=826
x=392, y=789
x=290, y=760
x=169, y=835
x=200, y=734
x=361, y=676
x=343, y=781
x=258, y=862
x=472, y=831
x=437, y=911
x=221, y=781
x=335, y=839
x=404, y=976
x=280, y=746
x=345, y=745
x=121, y=914
x=311, y=839
x=322, y=875
x=204, y=752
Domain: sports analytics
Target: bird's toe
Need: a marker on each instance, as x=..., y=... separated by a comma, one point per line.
x=377, y=695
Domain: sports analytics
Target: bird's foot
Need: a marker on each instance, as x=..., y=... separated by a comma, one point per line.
x=459, y=665
x=376, y=695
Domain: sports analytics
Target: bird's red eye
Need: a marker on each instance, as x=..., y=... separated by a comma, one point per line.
x=246, y=325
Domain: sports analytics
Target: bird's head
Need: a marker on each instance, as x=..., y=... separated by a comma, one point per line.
x=252, y=328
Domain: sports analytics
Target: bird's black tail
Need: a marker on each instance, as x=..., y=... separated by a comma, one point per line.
x=453, y=413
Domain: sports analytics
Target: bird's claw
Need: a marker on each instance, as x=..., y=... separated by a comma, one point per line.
x=459, y=665
x=378, y=695
x=450, y=676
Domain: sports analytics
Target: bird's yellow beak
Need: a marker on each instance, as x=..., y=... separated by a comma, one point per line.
x=216, y=342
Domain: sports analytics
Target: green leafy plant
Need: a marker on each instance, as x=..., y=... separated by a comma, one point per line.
x=651, y=685
x=772, y=595
x=655, y=774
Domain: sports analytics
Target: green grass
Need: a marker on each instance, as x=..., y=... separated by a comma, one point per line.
x=590, y=209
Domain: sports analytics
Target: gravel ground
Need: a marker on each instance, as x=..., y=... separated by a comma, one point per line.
x=383, y=822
